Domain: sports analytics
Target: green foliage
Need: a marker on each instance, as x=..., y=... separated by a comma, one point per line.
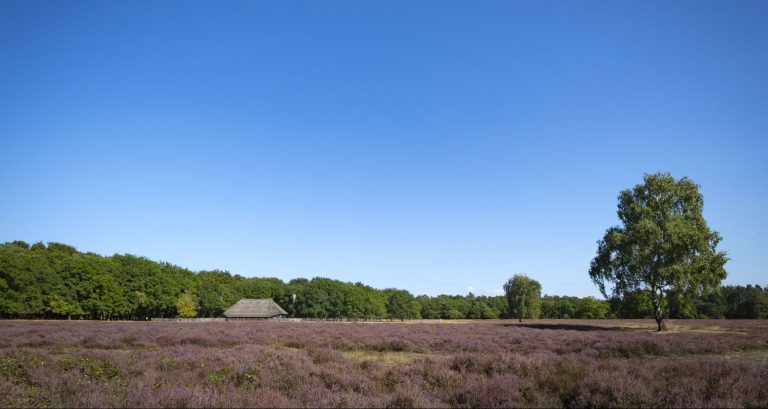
x=92, y=369
x=663, y=245
x=106, y=297
x=681, y=305
x=215, y=292
x=13, y=368
x=632, y=304
x=401, y=304
x=711, y=306
x=324, y=298
x=220, y=375
x=186, y=306
x=59, y=307
x=556, y=307
x=57, y=281
x=745, y=302
x=489, y=313
x=523, y=296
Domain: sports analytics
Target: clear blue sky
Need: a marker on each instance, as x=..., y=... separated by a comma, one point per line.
x=429, y=145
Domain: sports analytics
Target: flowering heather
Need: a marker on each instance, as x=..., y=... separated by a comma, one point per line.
x=469, y=364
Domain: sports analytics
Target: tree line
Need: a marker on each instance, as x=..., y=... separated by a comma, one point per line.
x=57, y=281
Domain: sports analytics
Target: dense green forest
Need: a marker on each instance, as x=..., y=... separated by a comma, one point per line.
x=57, y=281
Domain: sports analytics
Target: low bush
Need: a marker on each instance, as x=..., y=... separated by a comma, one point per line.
x=466, y=365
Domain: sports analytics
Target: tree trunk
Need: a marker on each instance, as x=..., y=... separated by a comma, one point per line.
x=658, y=313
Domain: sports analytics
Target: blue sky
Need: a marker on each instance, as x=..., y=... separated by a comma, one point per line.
x=432, y=146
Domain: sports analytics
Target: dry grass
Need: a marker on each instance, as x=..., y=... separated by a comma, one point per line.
x=390, y=357
x=673, y=326
x=749, y=356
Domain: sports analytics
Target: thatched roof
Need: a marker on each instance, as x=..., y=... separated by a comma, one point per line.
x=254, y=308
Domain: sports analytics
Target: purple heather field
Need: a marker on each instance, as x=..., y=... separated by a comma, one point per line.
x=608, y=363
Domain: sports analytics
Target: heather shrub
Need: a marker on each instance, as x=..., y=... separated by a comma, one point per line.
x=497, y=391
x=477, y=364
x=392, y=345
x=322, y=356
x=294, y=344
x=22, y=395
x=485, y=364
x=220, y=375
x=100, y=341
x=559, y=377
x=167, y=364
x=92, y=369
x=249, y=379
x=13, y=369
x=435, y=375
x=38, y=342
x=607, y=389
x=408, y=396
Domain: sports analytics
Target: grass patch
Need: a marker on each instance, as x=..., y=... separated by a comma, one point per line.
x=747, y=356
x=388, y=357
x=682, y=327
x=92, y=369
x=13, y=369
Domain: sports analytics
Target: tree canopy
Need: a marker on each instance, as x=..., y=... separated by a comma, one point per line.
x=663, y=246
x=57, y=281
x=524, y=297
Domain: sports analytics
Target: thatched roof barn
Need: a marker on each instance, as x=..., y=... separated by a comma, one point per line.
x=254, y=309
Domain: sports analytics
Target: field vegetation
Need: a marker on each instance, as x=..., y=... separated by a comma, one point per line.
x=493, y=363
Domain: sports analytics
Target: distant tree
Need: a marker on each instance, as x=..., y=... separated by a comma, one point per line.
x=552, y=307
x=681, y=305
x=61, y=248
x=260, y=287
x=214, y=292
x=21, y=243
x=374, y=301
x=453, y=314
x=314, y=298
x=106, y=299
x=185, y=306
x=57, y=281
x=591, y=308
x=59, y=307
x=430, y=308
x=524, y=297
x=663, y=245
x=490, y=313
x=632, y=304
x=499, y=304
x=453, y=306
x=711, y=305
x=402, y=304
x=476, y=306
x=745, y=302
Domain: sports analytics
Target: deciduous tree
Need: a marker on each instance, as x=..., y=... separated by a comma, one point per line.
x=524, y=297
x=186, y=306
x=663, y=244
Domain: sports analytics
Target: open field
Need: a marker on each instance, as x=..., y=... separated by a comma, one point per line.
x=468, y=364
